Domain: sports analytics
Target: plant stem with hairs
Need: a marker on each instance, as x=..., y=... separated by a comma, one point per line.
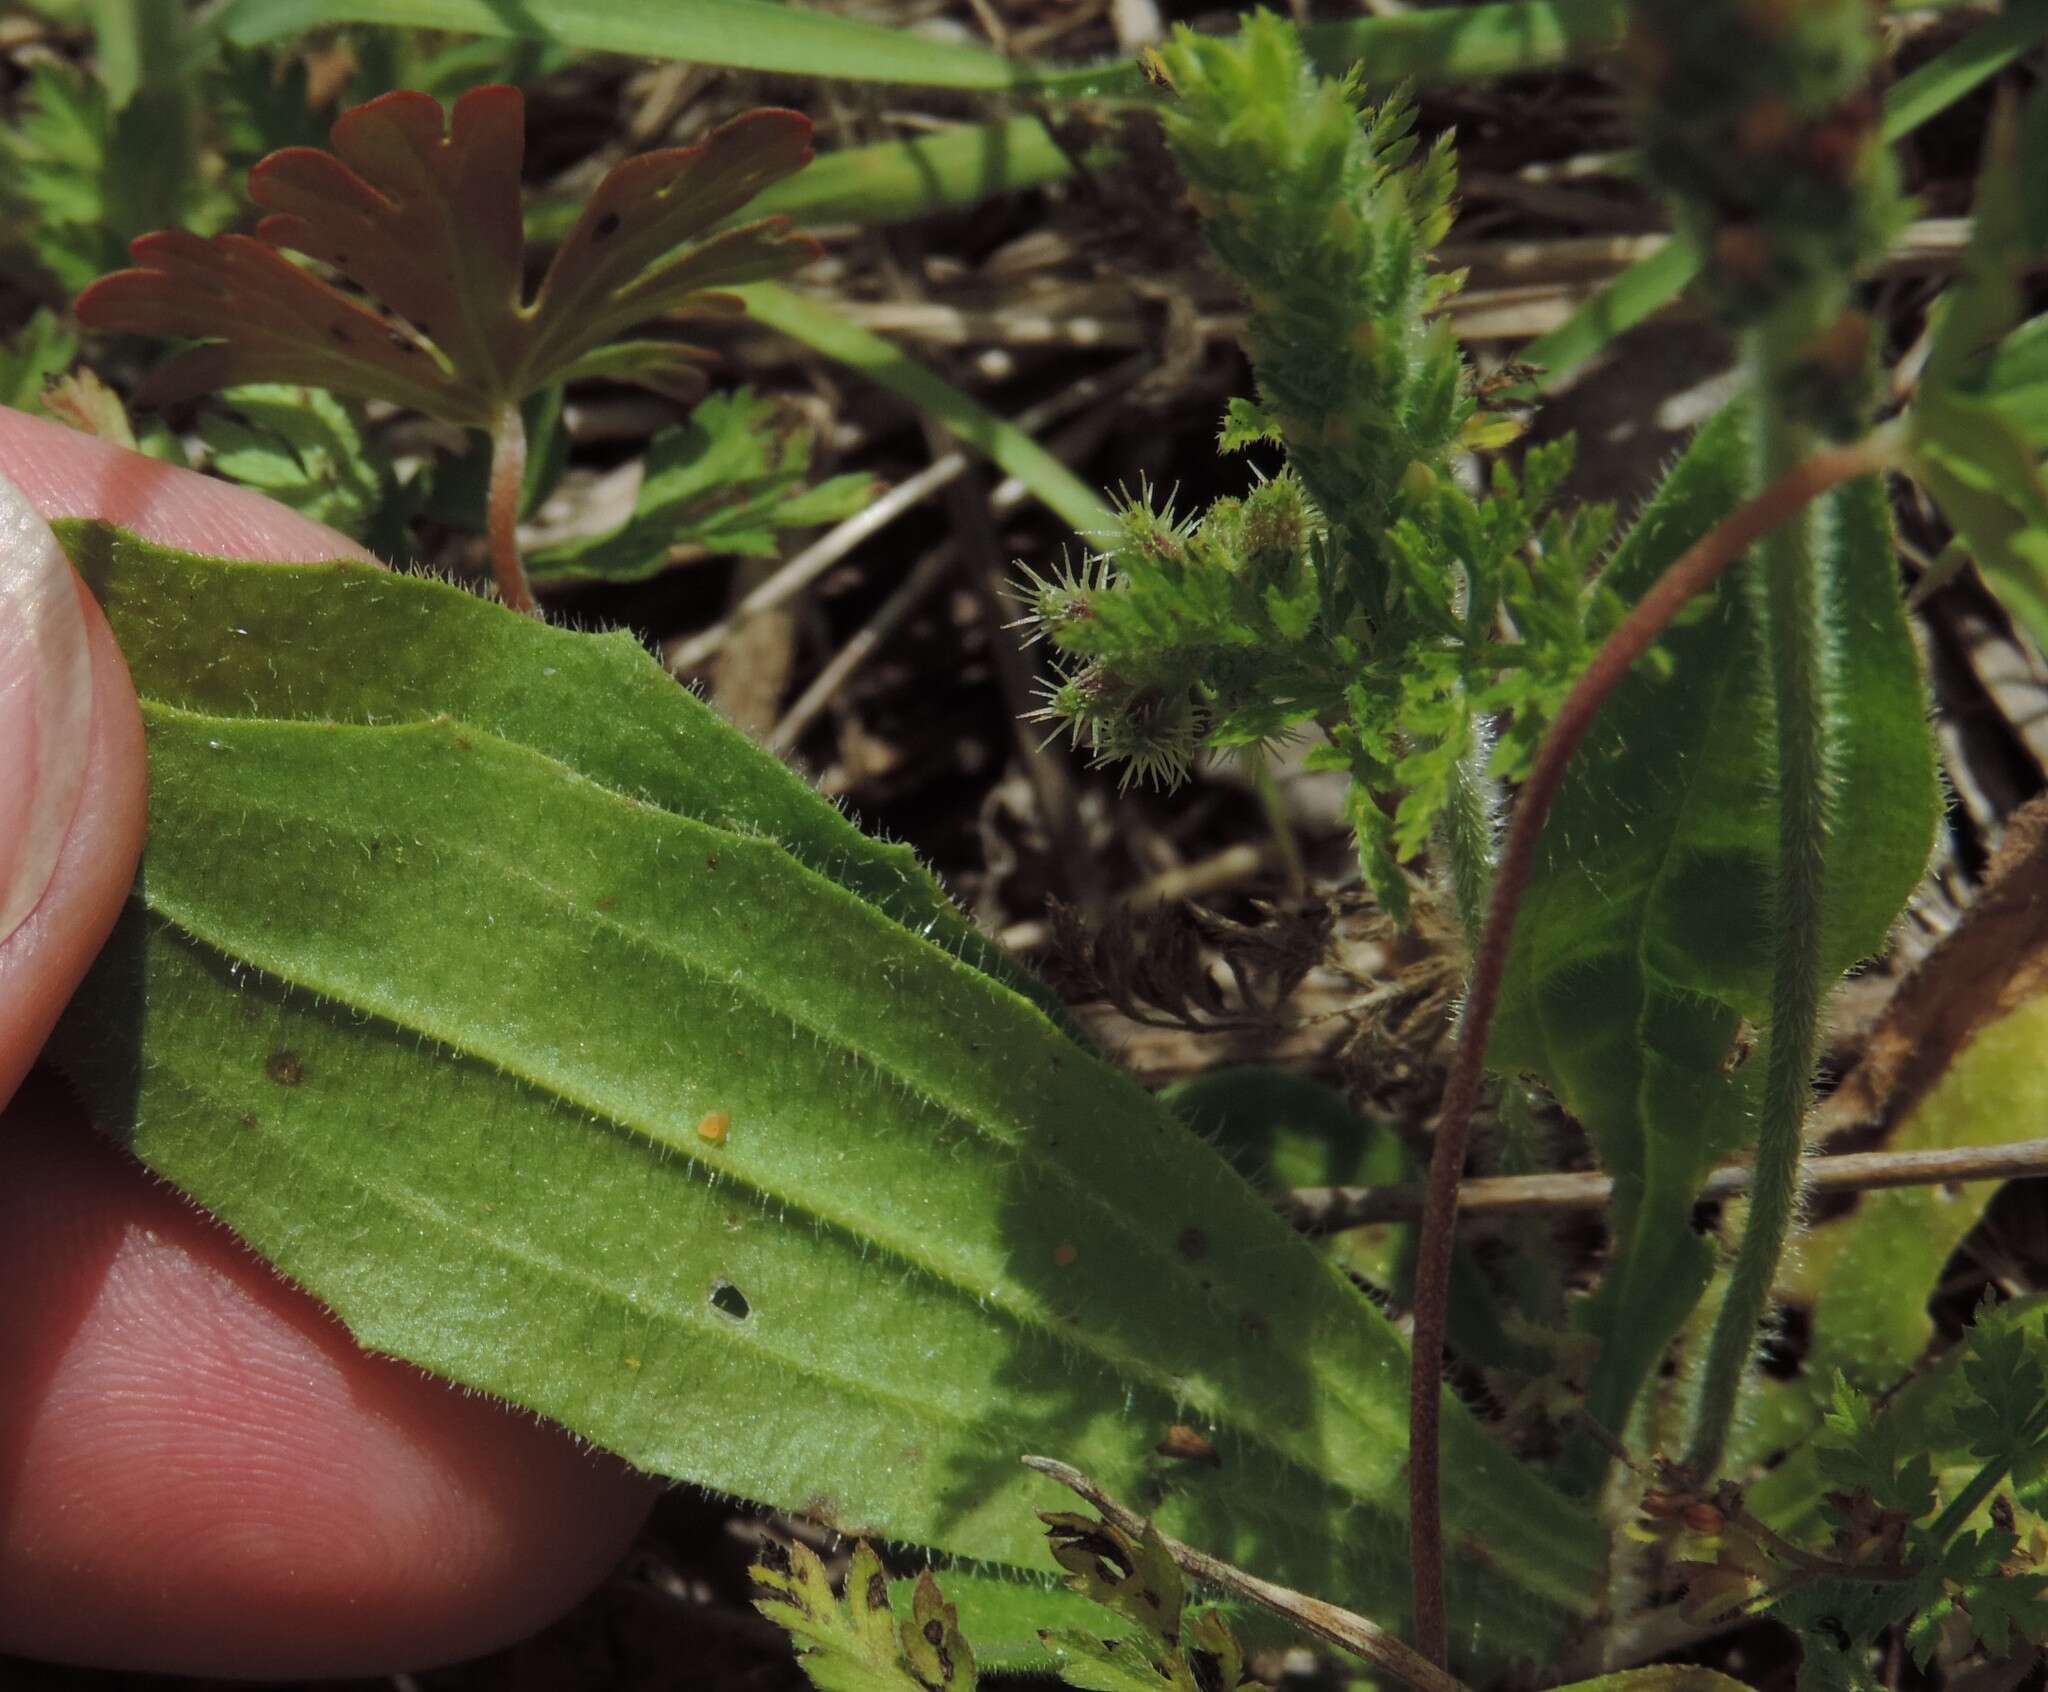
x=1790, y=593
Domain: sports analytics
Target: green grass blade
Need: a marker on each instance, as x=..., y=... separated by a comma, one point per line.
x=893, y=181
x=1633, y=297
x=826, y=331
x=745, y=34
x=1447, y=45
x=435, y=1018
x=1645, y=288
x=1972, y=61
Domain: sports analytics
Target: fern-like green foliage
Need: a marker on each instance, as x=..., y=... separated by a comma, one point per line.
x=1170, y=1646
x=1363, y=590
x=1933, y=1516
x=40, y=351
x=80, y=175
x=1158, y=1642
x=302, y=447
x=856, y=1643
x=724, y=484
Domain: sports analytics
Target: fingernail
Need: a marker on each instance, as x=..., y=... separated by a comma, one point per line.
x=45, y=704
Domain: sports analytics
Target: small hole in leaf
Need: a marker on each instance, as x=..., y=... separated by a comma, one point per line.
x=730, y=1301
x=607, y=226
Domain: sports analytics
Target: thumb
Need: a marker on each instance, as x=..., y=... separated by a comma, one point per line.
x=71, y=782
x=71, y=761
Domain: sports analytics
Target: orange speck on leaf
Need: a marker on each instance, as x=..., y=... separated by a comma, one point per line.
x=714, y=1126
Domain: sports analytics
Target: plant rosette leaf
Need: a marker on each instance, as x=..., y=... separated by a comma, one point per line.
x=531, y=1020
x=420, y=209
x=1643, y=945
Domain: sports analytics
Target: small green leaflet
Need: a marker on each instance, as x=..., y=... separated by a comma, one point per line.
x=857, y=1644
x=723, y=484
x=1170, y=1647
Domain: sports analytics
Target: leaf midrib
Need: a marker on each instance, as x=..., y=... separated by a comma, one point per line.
x=1172, y=1387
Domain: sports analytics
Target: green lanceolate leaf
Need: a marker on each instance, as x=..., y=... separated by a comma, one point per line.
x=388, y=648
x=441, y=989
x=1643, y=944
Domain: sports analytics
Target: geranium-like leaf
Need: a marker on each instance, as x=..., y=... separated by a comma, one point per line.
x=420, y=210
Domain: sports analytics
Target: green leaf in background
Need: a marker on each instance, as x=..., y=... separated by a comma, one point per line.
x=723, y=484
x=476, y=1025
x=302, y=447
x=1972, y=453
x=856, y=1644
x=1953, y=1061
x=2016, y=381
x=40, y=350
x=1643, y=944
x=826, y=331
x=1664, y=1677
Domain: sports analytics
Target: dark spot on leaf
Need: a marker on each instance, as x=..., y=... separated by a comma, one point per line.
x=878, y=1591
x=728, y=1300
x=1256, y=1327
x=284, y=1068
x=399, y=341
x=1193, y=1243
x=339, y=258
x=711, y=860
x=935, y=1632
x=341, y=337
x=775, y=1556
x=248, y=1119
x=606, y=227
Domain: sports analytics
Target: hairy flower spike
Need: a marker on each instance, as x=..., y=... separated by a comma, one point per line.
x=1761, y=124
x=1361, y=590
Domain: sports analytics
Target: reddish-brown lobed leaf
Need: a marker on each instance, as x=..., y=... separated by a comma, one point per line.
x=421, y=211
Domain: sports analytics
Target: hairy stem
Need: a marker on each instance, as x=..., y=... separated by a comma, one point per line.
x=1791, y=594
x=508, y=480
x=1470, y=832
x=1700, y=566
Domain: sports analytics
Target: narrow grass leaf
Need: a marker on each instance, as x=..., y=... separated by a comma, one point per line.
x=745, y=34
x=827, y=331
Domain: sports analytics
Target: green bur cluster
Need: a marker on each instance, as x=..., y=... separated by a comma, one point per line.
x=1362, y=590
